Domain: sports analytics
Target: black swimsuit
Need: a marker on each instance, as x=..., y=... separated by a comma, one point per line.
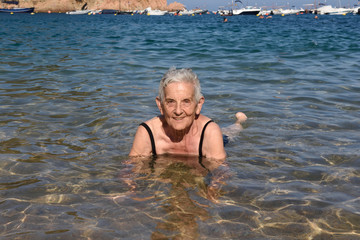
x=153, y=148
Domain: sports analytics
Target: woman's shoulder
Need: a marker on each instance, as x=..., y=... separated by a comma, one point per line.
x=154, y=122
x=210, y=125
x=202, y=119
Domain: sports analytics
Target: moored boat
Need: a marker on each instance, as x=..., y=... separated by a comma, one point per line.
x=109, y=11
x=16, y=10
x=329, y=10
x=200, y=11
x=246, y=11
x=281, y=11
x=155, y=12
x=356, y=10
x=224, y=12
x=234, y=10
x=124, y=12
x=186, y=12
x=79, y=12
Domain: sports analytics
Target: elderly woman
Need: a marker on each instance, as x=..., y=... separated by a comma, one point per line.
x=180, y=129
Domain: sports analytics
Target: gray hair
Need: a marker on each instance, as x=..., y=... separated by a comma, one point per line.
x=185, y=75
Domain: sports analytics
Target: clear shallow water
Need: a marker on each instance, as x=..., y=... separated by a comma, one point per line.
x=73, y=90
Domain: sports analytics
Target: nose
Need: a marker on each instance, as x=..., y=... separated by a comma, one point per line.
x=178, y=109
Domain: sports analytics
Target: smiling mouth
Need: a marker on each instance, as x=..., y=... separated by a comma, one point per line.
x=178, y=119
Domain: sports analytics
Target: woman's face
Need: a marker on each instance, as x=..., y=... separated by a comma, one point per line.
x=179, y=107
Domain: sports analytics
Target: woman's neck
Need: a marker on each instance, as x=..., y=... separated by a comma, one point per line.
x=177, y=135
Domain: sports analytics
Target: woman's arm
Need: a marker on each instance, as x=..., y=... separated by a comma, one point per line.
x=213, y=142
x=142, y=144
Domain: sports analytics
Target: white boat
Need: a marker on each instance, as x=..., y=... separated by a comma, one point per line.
x=155, y=12
x=79, y=12
x=281, y=11
x=329, y=10
x=266, y=12
x=186, y=12
x=356, y=10
x=224, y=12
x=246, y=11
x=200, y=11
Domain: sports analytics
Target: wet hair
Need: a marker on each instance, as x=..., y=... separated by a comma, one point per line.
x=184, y=75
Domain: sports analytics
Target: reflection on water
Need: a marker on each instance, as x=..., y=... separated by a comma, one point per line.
x=176, y=198
x=183, y=187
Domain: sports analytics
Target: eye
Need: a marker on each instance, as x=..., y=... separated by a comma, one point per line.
x=186, y=102
x=170, y=102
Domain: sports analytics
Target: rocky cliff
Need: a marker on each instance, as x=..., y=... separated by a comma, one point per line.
x=69, y=5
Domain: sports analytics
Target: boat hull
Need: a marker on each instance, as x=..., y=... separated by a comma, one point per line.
x=17, y=10
x=125, y=12
x=253, y=12
x=109, y=11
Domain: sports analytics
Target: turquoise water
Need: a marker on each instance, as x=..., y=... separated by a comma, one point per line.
x=73, y=90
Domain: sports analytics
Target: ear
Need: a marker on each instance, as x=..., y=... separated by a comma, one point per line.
x=158, y=103
x=199, y=105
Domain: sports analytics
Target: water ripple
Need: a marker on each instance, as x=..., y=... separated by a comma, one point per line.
x=73, y=89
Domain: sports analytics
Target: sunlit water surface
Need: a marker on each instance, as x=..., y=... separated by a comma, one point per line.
x=73, y=90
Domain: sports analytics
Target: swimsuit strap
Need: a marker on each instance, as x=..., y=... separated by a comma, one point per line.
x=202, y=138
x=151, y=138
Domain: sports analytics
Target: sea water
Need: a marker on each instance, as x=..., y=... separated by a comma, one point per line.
x=73, y=90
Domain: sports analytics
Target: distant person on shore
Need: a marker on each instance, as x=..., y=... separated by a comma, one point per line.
x=181, y=129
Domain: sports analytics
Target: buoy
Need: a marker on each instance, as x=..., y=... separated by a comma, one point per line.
x=11, y=13
x=316, y=17
x=282, y=14
x=32, y=13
